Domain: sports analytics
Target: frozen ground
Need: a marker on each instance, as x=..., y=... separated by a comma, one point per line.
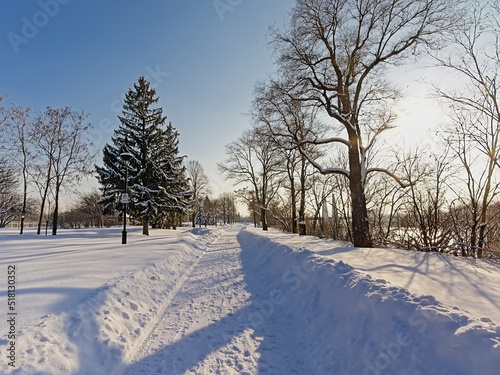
x=238, y=301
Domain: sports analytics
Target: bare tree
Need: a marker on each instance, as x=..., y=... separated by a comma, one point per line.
x=10, y=206
x=321, y=189
x=336, y=53
x=200, y=187
x=247, y=197
x=341, y=209
x=287, y=122
x=44, y=143
x=254, y=160
x=92, y=211
x=474, y=109
x=208, y=212
x=227, y=207
x=481, y=183
x=3, y=114
x=427, y=222
x=385, y=201
x=16, y=139
x=61, y=137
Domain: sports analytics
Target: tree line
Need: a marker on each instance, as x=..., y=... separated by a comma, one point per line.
x=52, y=152
x=320, y=155
x=49, y=150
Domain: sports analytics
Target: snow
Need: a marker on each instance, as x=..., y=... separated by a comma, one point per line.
x=234, y=300
x=471, y=284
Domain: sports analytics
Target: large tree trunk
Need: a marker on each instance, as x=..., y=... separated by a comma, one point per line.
x=360, y=223
x=263, y=217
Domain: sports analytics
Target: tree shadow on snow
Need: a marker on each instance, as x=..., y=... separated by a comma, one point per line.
x=193, y=348
x=268, y=325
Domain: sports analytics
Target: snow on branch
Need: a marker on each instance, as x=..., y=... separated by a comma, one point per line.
x=325, y=141
x=322, y=170
x=396, y=178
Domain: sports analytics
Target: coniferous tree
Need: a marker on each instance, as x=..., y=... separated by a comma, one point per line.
x=174, y=184
x=155, y=173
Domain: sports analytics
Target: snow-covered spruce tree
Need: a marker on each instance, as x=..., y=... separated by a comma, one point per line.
x=156, y=185
x=175, y=187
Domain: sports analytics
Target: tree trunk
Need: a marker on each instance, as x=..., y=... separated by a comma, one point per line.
x=42, y=207
x=360, y=223
x=55, y=216
x=25, y=193
x=23, y=212
x=263, y=217
x=173, y=219
x=302, y=208
x=145, y=226
x=484, y=210
x=294, y=206
x=302, y=216
x=294, y=211
x=481, y=241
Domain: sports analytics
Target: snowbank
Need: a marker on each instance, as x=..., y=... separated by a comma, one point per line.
x=97, y=335
x=472, y=285
x=285, y=307
x=345, y=322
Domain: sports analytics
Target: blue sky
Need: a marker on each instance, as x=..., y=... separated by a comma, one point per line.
x=203, y=61
x=202, y=56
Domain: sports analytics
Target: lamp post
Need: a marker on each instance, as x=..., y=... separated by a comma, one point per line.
x=125, y=156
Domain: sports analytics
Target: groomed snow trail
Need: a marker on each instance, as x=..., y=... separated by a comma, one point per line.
x=207, y=328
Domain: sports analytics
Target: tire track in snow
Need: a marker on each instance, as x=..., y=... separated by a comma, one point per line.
x=206, y=314
x=142, y=343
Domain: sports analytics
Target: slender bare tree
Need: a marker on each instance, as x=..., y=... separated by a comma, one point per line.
x=427, y=219
x=16, y=139
x=227, y=207
x=200, y=187
x=254, y=160
x=287, y=122
x=88, y=205
x=61, y=136
x=10, y=206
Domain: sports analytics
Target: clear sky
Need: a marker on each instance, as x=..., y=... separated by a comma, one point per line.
x=203, y=56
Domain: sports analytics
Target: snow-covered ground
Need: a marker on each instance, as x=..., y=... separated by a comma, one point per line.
x=471, y=284
x=236, y=300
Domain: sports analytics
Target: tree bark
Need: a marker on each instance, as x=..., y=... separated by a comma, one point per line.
x=263, y=217
x=360, y=223
x=44, y=198
x=55, y=216
x=294, y=205
x=302, y=208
